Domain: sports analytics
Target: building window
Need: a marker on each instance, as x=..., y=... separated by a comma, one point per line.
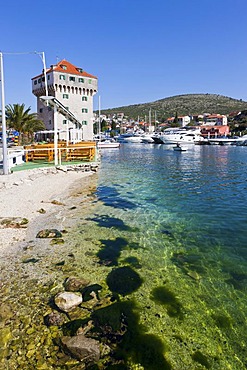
x=84, y=98
x=65, y=96
x=35, y=82
x=49, y=121
x=67, y=108
x=72, y=78
x=41, y=110
x=64, y=121
x=63, y=67
x=90, y=81
x=80, y=70
x=80, y=79
x=62, y=77
x=84, y=110
x=49, y=109
x=43, y=78
x=39, y=80
x=84, y=123
x=48, y=77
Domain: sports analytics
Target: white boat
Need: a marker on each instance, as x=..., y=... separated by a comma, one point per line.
x=107, y=144
x=227, y=140
x=135, y=138
x=156, y=138
x=147, y=138
x=181, y=135
x=130, y=137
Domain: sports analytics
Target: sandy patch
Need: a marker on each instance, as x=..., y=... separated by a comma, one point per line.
x=23, y=194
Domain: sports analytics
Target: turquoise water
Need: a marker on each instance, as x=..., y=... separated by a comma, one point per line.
x=173, y=235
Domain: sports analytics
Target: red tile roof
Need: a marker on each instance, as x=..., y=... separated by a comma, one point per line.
x=70, y=68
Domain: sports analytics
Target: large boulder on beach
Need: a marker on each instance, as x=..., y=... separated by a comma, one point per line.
x=67, y=301
x=84, y=349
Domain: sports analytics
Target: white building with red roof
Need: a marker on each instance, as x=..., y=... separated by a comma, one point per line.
x=74, y=89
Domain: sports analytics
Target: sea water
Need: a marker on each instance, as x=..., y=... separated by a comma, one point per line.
x=173, y=233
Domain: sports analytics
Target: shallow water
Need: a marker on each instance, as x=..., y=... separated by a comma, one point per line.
x=163, y=231
x=179, y=221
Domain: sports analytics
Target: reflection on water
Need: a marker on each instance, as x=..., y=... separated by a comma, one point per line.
x=187, y=213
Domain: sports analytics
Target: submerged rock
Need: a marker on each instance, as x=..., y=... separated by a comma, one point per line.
x=54, y=319
x=83, y=348
x=74, y=284
x=49, y=233
x=194, y=275
x=67, y=301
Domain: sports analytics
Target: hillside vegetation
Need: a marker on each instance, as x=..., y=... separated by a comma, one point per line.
x=189, y=104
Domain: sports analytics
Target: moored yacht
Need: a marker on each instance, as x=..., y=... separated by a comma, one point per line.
x=237, y=140
x=181, y=135
x=107, y=144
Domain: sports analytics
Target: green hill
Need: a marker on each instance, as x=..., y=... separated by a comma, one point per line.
x=189, y=104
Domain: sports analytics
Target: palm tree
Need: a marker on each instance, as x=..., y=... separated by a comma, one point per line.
x=21, y=120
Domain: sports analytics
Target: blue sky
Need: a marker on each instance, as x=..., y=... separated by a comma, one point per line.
x=140, y=50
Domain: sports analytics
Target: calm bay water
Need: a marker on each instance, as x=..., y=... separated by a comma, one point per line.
x=177, y=221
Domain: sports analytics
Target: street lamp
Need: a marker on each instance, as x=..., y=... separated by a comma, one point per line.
x=4, y=134
x=42, y=56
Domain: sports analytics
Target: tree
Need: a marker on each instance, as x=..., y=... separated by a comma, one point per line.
x=176, y=118
x=21, y=120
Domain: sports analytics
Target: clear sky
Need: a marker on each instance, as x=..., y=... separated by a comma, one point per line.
x=140, y=50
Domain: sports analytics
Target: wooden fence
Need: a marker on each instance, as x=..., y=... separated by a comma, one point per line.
x=82, y=151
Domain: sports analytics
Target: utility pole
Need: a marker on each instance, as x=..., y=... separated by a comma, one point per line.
x=4, y=133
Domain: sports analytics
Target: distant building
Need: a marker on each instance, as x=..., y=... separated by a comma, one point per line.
x=183, y=120
x=215, y=120
x=211, y=131
x=74, y=89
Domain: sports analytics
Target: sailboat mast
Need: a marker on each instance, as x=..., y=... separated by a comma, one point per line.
x=99, y=120
x=150, y=119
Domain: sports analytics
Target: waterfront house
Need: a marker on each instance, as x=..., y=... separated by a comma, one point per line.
x=74, y=88
x=214, y=125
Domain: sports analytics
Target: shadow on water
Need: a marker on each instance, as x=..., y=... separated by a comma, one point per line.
x=166, y=297
x=133, y=261
x=188, y=262
x=132, y=342
x=237, y=280
x=108, y=222
x=123, y=280
x=111, y=197
x=110, y=250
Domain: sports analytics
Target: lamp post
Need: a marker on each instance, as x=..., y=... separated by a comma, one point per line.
x=4, y=134
x=42, y=56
